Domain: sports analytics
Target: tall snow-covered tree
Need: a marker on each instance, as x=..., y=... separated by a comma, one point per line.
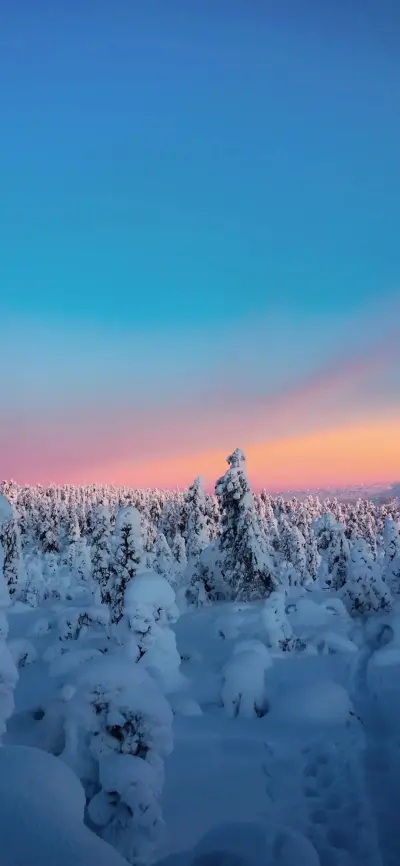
x=179, y=552
x=101, y=550
x=391, y=544
x=126, y=559
x=164, y=563
x=246, y=563
x=10, y=540
x=197, y=526
x=334, y=548
x=8, y=670
x=48, y=530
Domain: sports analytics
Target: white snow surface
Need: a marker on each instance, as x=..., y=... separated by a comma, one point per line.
x=311, y=780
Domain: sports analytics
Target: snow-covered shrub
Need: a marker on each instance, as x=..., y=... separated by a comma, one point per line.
x=243, y=687
x=54, y=585
x=41, y=627
x=150, y=610
x=276, y=626
x=117, y=716
x=62, y=659
x=22, y=652
x=127, y=555
x=74, y=622
x=34, y=587
x=246, y=563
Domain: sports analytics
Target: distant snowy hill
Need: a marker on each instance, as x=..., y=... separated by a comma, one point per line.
x=378, y=492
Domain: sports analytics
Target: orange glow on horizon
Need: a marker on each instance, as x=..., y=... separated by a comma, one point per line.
x=342, y=456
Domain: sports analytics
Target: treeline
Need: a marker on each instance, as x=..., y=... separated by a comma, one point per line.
x=233, y=544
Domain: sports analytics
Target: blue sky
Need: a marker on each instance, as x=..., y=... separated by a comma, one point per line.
x=194, y=177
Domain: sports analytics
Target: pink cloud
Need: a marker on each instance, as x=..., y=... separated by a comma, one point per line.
x=73, y=441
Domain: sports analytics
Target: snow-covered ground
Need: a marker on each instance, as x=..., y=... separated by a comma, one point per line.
x=312, y=779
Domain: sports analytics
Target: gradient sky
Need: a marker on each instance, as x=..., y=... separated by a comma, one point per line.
x=200, y=217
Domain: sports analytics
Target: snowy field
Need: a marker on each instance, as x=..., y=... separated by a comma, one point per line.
x=192, y=679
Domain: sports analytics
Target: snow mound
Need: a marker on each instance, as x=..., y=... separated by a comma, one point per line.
x=232, y=844
x=41, y=814
x=152, y=591
x=22, y=651
x=243, y=688
x=291, y=848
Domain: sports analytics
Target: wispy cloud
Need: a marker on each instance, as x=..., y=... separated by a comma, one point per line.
x=78, y=442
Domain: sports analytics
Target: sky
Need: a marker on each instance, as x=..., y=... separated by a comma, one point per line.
x=199, y=217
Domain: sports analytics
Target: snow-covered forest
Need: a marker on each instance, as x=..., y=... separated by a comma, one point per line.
x=193, y=676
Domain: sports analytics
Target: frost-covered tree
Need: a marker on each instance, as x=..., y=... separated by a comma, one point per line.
x=312, y=556
x=118, y=732
x=391, y=544
x=10, y=540
x=164, y=562
x=293, y=548
x=213, y=515
x=338, y=562
x=48, y=534
x=8, y=670
x=334, y=549
x=365, y=590
x=101, y=550
x=246, y=563
x=54, y=583
x=127, y=555
x=179, y=552
x=34, y=584
x=197, y=526
x=150, y=610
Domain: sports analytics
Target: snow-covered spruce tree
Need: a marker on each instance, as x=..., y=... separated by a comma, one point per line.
x=313, y=558
x=334, y=549
x=163, y=561
x=293, y=548
x=83, y=564
x=270, y=522
x=213, y=515
x=179, y=552
x=8, y=670
x=48, y=534
x=127, y=551
x=197, y=527
x=118, y=732
x=101, y=550
x=11, y=544
x=391, y=545
x=365, y=590
x=246, y=563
